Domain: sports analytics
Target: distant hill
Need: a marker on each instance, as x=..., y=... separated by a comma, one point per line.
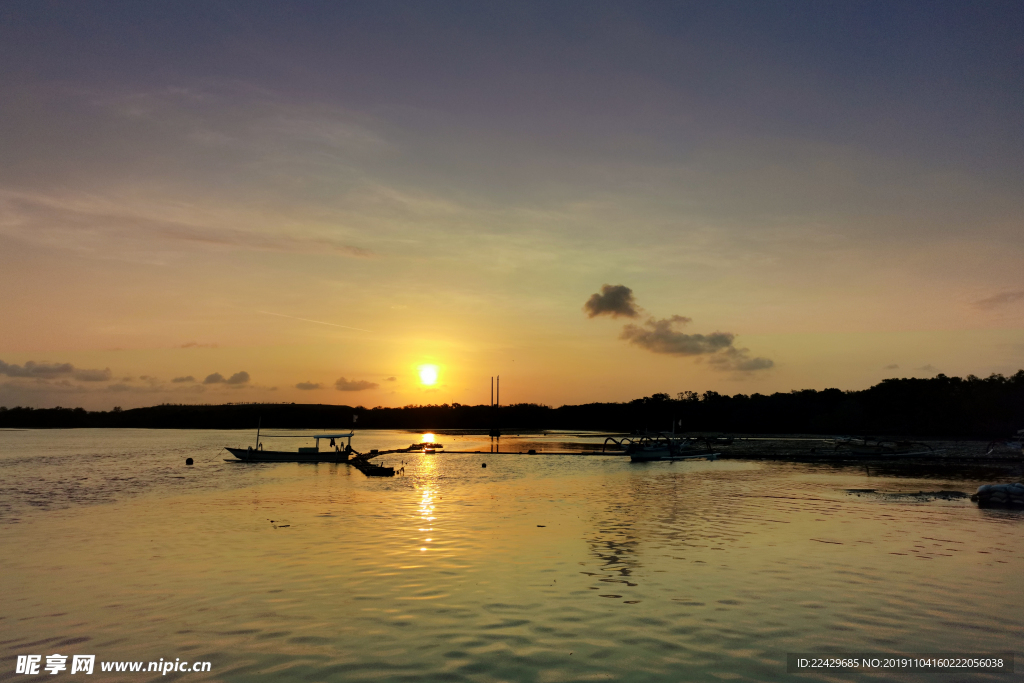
x=950, y=407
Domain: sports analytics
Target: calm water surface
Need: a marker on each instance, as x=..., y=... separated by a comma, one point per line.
x=536, y=568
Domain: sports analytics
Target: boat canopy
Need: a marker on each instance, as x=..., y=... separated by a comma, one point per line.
x=310, y=436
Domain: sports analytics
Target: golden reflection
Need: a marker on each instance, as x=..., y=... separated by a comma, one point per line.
x=427, y=505
x=426, y=513
x=427, y=438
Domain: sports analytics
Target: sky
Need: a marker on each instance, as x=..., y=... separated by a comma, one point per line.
x=210, y=202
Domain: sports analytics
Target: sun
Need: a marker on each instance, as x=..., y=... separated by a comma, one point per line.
x=428, y=375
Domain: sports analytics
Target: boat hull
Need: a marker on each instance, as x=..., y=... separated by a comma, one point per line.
x=663, y=456
x=250, y=455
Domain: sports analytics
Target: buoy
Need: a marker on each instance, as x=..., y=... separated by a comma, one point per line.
x=188, y=461
x=483, y=465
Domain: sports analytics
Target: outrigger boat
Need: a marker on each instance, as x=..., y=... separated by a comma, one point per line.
x=1014, y=443
x=334, y=453
x=662, y=447
x=339, y=450
x=870, y=448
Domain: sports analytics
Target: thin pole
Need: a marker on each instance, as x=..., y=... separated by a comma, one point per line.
x=492, y=391
x=499, y=390
x=259, y=423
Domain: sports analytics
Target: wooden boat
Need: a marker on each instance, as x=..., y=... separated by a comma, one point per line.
x=372, y=469
x=334, y=452
x=1014, y=444
x=664, y=447
x=869, y=448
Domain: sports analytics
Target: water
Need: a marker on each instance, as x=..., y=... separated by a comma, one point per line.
x=536, y=568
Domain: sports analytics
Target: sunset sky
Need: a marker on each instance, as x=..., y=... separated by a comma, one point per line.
x=204, y=202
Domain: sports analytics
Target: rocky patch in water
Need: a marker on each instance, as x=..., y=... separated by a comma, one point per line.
x=923, y=496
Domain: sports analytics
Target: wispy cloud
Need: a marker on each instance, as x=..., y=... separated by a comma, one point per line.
x=318, y=322
x=1000, y=299
x=182, y=380
x=308, y=386
x=93, y=223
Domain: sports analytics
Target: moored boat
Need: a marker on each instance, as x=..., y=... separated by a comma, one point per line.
x=662, y=447
x=870, y=448
x=334, y=452
x=339, y=450
x=1014, y=444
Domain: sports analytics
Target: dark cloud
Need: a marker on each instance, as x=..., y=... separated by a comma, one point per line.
x=354, y=385
x=391, y=379
x=1000, y=299
x=893, y=366
x=37, y=370
x=92, y=375
x=307, y=386
x=188, y=378
x=739, y=360
x=660, y=336
x=237, y=379
x=927, y=368
x=53, y=371
x=614, y=300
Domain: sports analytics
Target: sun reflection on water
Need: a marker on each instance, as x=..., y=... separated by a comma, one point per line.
x=426, y=510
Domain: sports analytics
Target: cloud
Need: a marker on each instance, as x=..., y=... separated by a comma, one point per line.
x=215, y=378
x=226, y=237
x=37, y=370
x=92, y=222
x=354, y=385
x=614, y=300
x=179, y=380
x=93, y=375
x=391, y=379
x=238, y=378
x=927, y=368
x=892, y=366
x=53, y=371
x=739, y=360
x=307, y=386
x=1000, y=299
x=659, y=336
x=197, y=345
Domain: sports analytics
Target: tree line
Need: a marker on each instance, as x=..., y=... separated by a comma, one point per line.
x=953, y=407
